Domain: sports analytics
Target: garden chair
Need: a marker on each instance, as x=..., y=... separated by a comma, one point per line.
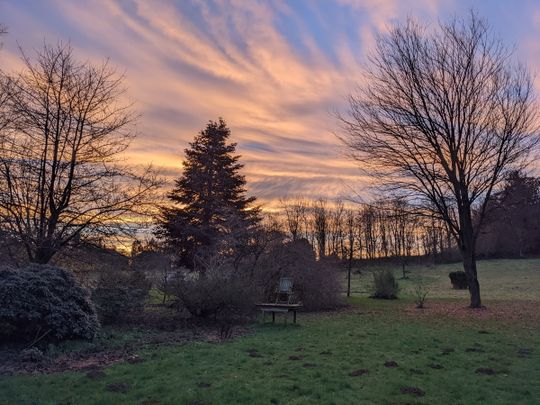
x=284, y=291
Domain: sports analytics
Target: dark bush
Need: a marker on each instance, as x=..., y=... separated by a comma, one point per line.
x=120, y=295
x=385, y=285
x=223, y=289
x=458, y=280
x=32, y=355
x=44, y=303
x=316, y=283
x=218, y=293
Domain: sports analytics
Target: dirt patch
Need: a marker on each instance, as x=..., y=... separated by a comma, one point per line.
x=204, y=385
x=418, y=392
x=507, y=311
x=447, y=351
x=485, y=371
x=401, y=403
x=326, y=353
x=100, y=356
x=525, y=352
x=95, y=374
x=435, y=366
x=360, y=372
x=151, y=402
x=309, y=365
x=296, y=358
x=474, y=350
x=253, y=353
x=416, y=371
x=134, y=359
x=75, y=361
x=121, y=387
x=390, y=364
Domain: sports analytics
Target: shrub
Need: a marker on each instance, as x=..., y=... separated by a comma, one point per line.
x=458, y=280
x=44, y=303
x=385, y=285
x=420, y=295
x=214, y=293
x=315, y=283
x=32, y=355
x=120, y=294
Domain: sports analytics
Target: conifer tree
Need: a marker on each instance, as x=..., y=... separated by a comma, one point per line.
x=210, y=196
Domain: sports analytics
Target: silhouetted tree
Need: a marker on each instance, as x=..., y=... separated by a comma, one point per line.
x=63, y=131
x=210, y=194
x=319, y=213
x=513, y=224
x=442, y=117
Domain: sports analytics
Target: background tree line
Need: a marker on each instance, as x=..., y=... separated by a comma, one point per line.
x=394, y=228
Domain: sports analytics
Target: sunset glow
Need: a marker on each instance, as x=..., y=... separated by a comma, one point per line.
x=276, y=71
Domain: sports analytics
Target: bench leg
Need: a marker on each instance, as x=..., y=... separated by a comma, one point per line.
x=273, y=317
x=294, y=316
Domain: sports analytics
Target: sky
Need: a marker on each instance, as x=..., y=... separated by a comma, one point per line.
x=276, y=71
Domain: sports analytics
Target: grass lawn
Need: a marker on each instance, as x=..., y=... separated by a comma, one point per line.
x=499, y=279
x=374, y=352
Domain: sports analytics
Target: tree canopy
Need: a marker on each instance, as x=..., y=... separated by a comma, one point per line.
x=210, y=196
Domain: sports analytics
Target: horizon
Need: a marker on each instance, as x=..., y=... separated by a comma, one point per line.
x=275, y=71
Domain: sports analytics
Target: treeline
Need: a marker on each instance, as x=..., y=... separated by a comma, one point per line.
x=393, y=228
x=386, y=228
x=513, y=224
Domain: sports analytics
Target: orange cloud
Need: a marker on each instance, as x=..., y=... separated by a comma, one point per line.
x=274, y=70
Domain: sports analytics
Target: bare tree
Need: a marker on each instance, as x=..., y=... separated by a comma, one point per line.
x=320, y=225
x=336, y=224
x=443, y=116
x=61, y=175
x=351, y=232
x=295, y=217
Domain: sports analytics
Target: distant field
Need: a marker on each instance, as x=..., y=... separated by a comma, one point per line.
x=499, y=280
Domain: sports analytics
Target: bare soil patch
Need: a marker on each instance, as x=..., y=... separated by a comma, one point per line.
x=121, y=387
x=435, y=366
x=360, y=372
x=508, y=311
x=485, y=371
x=418, y=392
x=101, y=356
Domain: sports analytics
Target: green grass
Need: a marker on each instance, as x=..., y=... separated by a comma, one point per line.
x=499, y=280
x=332, y=345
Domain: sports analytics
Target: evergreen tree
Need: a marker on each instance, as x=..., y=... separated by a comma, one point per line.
x=210, y=196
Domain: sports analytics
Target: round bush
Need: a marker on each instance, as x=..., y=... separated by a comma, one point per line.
x=458, y=280
x=385, y=285
x=120, y=294
x=46, y=303
x=316, y=282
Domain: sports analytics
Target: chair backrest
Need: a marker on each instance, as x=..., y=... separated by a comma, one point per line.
x=285, y=285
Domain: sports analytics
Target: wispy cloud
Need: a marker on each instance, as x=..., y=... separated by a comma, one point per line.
x=274, y=70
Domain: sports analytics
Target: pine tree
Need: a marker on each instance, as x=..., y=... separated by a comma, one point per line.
x=210, y=196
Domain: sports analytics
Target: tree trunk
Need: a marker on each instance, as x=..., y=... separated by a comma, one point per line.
x=469, y=265
x=349, y=278
x=43, y=255
x=467, y=247
x=468, y=254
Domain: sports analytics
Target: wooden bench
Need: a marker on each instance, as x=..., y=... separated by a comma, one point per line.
x=278, y=307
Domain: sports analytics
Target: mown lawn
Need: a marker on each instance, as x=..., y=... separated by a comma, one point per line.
x=499, y=279
x=374, y=352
